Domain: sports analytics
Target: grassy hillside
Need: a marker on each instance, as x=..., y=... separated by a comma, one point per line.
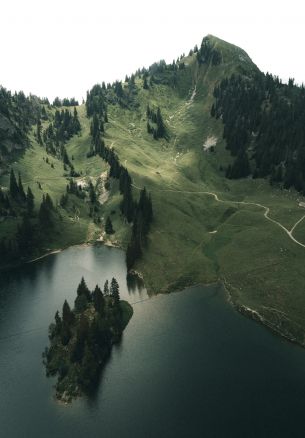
x=195, y=236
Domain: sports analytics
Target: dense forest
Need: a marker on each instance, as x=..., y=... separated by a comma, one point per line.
x=17, y=114
x=81, y=339
x=64, y=126
x=264, y=127
x=34, y=223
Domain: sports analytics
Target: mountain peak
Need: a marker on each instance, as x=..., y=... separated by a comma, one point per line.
x=230, y=52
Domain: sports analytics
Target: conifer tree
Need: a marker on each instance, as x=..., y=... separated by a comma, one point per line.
x=83, y=289
x=45, y=212
x=30, y=202
x=20, y=188
x=67, y=314
x=145, y=84
x=106, y=288
x=14, y=189
x=39, y=131
x=98, y=299
x=114, y=291
x=58, y=323
x=80, y=303
x=65, y=333
x=108, y=226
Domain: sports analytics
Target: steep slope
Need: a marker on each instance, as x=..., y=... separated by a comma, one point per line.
x=206, y=227
x=194, y=237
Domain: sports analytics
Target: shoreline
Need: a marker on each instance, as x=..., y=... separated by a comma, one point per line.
x=257, y=317
x=57, y=251
x=240, y=308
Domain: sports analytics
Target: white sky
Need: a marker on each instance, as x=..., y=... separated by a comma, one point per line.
x=63, y=47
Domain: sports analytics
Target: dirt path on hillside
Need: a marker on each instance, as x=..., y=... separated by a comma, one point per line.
x=266, y=214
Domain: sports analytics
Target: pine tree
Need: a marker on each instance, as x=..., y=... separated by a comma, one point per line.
x=114, y=291
x=49, y=202
x=92, y=194
x=83, y=289
x=39, y=131
x=106, y=288
x=80, y=303
x=145, y=84
x=161, y=130
x=67, y=314
x=58, y=323
x=14, y=189
x=76, y=123
x=98, y=299
x=65, y=333
x=108, y=226
x=30, y=202
x=45, y=212
x=20, y=188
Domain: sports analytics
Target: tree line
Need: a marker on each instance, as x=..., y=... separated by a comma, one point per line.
x=57, y=102
x=64, y=126
x=138, y=213
x=155, y=124
x=17, y=114
x=264, y=127
x=34, y=224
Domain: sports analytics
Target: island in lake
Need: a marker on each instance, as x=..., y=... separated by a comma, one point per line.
x=81, y=339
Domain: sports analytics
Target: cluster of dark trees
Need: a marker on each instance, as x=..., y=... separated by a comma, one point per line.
x=18, y=203
x=58, y=132
x=81, y=339
x=5, y=205
x=126, y=96
x=45, y=213
x=75, y=189
x=143, y=217
x=57, y=102
x=100, y=96
x=32, y=226
x=96, y=107
x=17, y=114
x=128, y=205
x=145, y=81
x=64, y=126
x=264, y=127
x=163, y=73
x=97, y=132
x=96, y=102
x=155, y=124
x=208, y=54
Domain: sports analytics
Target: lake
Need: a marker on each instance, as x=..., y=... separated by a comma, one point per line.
x=188, y=364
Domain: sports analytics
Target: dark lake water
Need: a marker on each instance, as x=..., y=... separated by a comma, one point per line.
x=188, y=364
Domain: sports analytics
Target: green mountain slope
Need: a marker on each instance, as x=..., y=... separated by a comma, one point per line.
x=206, y=227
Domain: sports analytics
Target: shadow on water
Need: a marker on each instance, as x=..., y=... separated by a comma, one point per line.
x=21, y=286
x=135, y=283
x=94, y=391
x=29, y=272
x=187, y=364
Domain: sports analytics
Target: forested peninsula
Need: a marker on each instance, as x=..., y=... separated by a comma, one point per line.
x=81, y=338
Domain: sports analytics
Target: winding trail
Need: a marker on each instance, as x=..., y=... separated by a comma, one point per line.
x=266, y=214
